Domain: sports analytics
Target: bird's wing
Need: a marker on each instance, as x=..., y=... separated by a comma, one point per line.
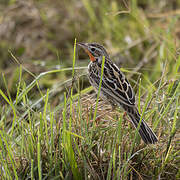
x=115, y=85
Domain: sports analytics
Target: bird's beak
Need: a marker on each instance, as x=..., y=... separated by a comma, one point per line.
x=85, y=47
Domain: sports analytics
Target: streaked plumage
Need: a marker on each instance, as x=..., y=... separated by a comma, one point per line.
x=115, y=87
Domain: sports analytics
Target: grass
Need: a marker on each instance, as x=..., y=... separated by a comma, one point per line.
x=74, y=144
x=66, y=132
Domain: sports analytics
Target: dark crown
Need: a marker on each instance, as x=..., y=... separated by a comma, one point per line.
x=97, y=50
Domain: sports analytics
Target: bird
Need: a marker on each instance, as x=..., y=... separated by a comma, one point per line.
x=115, y=87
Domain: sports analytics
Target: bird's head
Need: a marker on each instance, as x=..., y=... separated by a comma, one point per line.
x=94, y=50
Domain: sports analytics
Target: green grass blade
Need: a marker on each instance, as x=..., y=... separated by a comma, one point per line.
x=39, y=156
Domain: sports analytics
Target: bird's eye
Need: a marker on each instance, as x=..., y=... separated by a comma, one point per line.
x=93, y=49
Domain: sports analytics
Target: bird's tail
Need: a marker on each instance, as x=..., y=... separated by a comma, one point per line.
x=145, y=131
